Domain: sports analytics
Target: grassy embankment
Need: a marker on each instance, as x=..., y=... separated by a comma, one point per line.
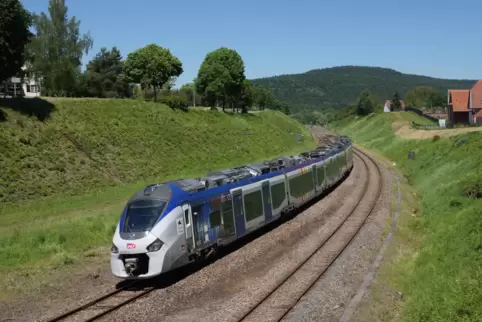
x=65, y=179
x=436, y=257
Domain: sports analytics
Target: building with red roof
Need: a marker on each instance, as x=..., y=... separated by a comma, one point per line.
x=465, y=105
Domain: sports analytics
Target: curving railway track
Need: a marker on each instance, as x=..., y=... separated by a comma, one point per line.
x=278, y=302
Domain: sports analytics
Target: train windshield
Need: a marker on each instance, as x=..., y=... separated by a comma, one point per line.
x=142, y=215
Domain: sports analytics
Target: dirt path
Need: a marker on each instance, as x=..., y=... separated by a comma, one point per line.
x=402, y=128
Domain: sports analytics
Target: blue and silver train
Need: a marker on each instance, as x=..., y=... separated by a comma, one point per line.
x=168, y=225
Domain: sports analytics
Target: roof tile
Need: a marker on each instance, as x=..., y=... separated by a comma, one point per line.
x=460, y=99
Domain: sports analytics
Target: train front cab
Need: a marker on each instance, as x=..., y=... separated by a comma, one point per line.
x=144, y=255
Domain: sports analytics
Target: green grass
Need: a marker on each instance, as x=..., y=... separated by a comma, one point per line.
x=59, y=201
x=88, y=144
x=441, y=278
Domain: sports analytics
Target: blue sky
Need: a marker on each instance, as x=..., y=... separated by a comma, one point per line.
x=436, y=38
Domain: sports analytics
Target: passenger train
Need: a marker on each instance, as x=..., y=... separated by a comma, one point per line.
x=168, y=225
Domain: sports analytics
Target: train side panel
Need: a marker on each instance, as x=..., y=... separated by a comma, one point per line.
x=252, y=206
x=279, y=194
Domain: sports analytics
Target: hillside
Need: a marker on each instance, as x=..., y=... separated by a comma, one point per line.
x=435, y=259
x=341, y=86
x=88, y=144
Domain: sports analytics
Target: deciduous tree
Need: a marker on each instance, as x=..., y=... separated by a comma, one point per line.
x=152, y=66
x=14, y=36
x=247, y=92
x=263, y=98
x=221, y=76
x=56, y=50
x=425, y=97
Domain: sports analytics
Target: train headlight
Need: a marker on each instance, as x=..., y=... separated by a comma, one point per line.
x=155, y=246
x=114, y=249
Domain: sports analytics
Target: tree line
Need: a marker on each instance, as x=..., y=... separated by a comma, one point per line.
x=54, y=51
x=329, y=89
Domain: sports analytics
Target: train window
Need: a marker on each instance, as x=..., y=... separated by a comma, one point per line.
x=308, y=182
x=143, y=214
x=321, y=175
x=253, y=205
x=301, y=184
x=332, y=166
x=215, y=218
x=215, y=204
x=186, y=216
x=278, y=193
x=228, y=220
x=295, y=184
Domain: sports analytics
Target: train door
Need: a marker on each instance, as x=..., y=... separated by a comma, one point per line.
x=188, y=226
x=315, y=178
x=198, y=225
x=268, y=211
x=239, y=220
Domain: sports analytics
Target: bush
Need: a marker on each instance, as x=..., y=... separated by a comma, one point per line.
x=174, y=101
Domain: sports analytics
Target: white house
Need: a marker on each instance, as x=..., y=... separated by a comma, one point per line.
x=30, y=87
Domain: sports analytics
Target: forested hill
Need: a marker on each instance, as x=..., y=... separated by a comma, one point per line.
x=341, y=86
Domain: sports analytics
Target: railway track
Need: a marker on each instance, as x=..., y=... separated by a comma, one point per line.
x=279, y=302
x=105, y=304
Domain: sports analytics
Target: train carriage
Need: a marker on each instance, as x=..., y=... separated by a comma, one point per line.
x=168, y=225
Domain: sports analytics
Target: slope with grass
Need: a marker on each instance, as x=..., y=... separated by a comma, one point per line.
x=87, y=144
x=65, y=177
x=441, y=277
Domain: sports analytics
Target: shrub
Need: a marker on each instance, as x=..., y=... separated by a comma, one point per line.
x=174, y=101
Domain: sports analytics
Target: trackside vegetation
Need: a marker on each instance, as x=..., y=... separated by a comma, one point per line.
x=66, y=178
x=441, y=275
